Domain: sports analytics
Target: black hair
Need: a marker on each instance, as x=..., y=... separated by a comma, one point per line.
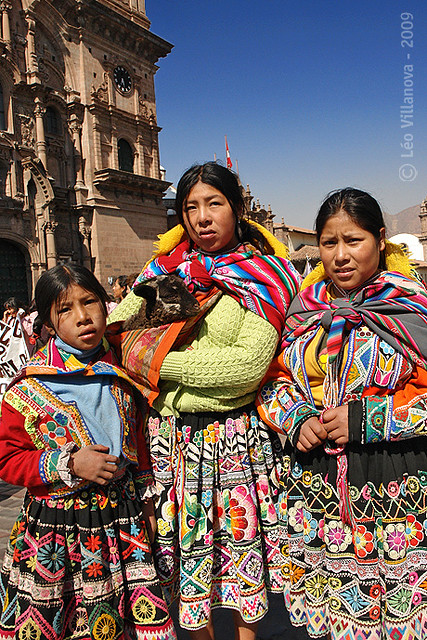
x=227, y=182
x=37, y=326
x=53, y=284
x=12, y=303
x=122, y=280
x=359, y=205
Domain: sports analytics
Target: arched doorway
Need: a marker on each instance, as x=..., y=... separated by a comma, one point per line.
x=13, y=274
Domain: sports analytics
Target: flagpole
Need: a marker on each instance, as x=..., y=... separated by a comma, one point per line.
x=237, y=168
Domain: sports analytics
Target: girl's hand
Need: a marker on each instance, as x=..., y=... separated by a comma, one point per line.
x=335, y=422
x=312, y=433
x=94, y=463
x=150, y=519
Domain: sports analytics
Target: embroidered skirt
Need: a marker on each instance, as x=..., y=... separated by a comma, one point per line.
x=219, y=536
x=81, y=568
x=369, y=581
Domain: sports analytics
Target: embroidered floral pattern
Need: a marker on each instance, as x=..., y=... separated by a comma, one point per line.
x=220, y=478
x=377, y=577
x=363, y=541
x=337, y=535
x=109, y=558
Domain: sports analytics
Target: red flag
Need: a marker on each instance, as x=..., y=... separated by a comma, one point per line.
x=227, y=154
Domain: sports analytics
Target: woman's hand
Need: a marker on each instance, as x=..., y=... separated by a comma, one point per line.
x=94, y=463
x=312, y=433
x=335, y=422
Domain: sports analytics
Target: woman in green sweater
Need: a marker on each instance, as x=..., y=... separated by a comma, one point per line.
x=218, y=538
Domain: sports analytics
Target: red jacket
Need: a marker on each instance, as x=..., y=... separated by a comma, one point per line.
x=35, y=424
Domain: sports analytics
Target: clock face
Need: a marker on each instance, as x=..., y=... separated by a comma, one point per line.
x=122, y=79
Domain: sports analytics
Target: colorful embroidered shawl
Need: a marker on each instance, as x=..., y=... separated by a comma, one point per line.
x=50, y=422
x=390, y=304
x=264, y=284
x=49, y=361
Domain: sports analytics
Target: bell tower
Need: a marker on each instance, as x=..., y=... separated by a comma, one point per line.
x=80, y=172
x=132, y=9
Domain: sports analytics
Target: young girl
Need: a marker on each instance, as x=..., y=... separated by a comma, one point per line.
x=78, y=563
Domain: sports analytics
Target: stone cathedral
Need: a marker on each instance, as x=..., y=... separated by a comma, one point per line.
x=79, y=157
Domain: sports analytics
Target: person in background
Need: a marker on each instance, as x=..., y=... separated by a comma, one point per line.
x=12, y=310
x=349, y=391
x=27, y=323
x=39, y=336
x=78, y=563
x=218, y=540
x=120, y=288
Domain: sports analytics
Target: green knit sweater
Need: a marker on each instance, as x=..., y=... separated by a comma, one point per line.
x=223, y=366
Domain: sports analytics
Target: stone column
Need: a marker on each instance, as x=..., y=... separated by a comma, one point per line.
x=39, y=112
x=137, y=5
x=76, y=130
x=5, y=8
x=49, y=229
x=114, y=148
x=32, y=66
x=13, y=175
x=85, y=233
x=140, y=168
x=96, y=155
x=155, y=163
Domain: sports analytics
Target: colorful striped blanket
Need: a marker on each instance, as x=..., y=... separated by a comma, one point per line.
x=390, y=304
x=264, y=284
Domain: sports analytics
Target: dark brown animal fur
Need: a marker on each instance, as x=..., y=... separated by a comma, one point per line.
x=165, y=300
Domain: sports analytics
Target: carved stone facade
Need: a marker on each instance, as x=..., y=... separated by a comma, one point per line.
x=79, y=158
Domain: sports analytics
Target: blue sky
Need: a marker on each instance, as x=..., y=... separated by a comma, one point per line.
x=308, y=94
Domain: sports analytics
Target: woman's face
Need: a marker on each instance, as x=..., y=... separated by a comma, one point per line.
x=12, y=312
x=209, y=219
x=349, y=253
x=118, y=291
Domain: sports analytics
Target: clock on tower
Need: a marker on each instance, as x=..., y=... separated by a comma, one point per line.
x=122, y=79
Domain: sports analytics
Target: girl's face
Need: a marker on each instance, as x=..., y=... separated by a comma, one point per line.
x=78, y=318
x=209, y=219
x=350, y=254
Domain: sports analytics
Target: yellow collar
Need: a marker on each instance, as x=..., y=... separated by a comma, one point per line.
x=169, y=240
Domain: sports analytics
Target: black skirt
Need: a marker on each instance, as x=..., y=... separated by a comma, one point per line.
x=81, y=568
